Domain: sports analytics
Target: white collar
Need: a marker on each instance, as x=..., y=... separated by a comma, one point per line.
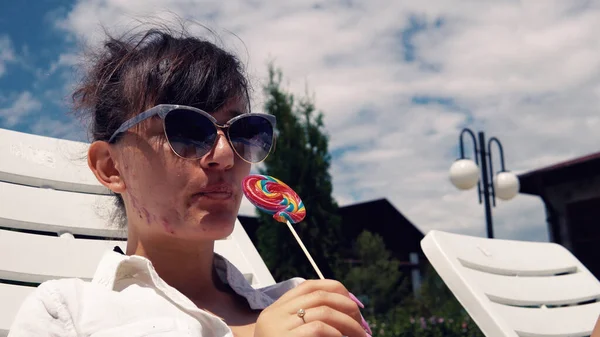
x=115, y=266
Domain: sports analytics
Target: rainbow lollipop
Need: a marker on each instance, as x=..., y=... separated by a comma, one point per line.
x=273, y=196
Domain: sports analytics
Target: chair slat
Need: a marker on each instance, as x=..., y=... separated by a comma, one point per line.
x=536, y=291
x=507, y=257
x=48, y=210
x=46, y=162
x=572, y=321
x=37, y=258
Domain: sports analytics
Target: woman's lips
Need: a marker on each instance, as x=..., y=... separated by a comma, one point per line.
x=215, y=195
x=215, y=192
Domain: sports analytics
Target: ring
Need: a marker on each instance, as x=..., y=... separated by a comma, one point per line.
x=301, y=314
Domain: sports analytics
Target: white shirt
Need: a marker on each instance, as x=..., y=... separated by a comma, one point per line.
x=127, y=298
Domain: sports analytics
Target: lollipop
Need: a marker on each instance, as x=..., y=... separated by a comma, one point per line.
x=273, y=196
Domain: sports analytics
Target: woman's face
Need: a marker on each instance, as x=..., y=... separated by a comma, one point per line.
x=167, y=195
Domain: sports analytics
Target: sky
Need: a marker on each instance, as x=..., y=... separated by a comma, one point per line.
x=396, y=81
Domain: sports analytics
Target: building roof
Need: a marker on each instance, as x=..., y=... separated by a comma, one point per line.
x=534, y=182
x=381, y=217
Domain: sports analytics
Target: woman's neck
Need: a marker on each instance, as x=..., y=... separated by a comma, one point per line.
x=185, y=265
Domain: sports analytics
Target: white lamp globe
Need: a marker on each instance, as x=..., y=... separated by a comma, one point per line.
x=506, y=185
x=464, y=174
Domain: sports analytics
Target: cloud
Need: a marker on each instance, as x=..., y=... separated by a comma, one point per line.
x=65, y=129
x=66, y=60
x=24, y=104
x=398, y=80
x=7, y=53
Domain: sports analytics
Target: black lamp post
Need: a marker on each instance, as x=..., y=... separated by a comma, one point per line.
x=465, y=174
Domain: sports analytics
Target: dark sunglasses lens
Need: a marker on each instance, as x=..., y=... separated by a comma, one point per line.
x=252, y=137
x=190, y=134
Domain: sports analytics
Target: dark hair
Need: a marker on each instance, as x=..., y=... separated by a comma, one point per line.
x=133, y=72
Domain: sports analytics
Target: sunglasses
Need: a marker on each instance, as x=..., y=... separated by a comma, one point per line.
x=192, y=133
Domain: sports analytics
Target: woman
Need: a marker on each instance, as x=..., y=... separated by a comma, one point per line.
x=173, y=139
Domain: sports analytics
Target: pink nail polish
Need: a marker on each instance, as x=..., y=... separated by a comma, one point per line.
x=362, y=306
x=365, y=325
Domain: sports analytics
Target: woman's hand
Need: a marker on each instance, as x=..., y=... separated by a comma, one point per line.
x=328, y=312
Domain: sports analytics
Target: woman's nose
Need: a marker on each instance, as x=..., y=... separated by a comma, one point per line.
x=221, y=155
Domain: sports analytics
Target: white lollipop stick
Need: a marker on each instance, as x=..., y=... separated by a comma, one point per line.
x=305, y=250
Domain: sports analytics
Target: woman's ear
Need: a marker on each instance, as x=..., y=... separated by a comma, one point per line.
x=102, y=162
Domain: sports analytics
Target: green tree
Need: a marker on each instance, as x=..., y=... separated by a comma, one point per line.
x=435, y=298
x=301, y=160
x=376, y=278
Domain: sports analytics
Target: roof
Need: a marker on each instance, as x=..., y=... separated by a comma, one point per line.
x=381, y=217
x=534, y=182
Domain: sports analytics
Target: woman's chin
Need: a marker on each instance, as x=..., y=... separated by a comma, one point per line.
x=215, y=226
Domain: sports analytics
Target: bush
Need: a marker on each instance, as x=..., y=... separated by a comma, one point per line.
x=400, y=323
x=433, y=312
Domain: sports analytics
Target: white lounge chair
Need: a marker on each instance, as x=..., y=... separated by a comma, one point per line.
x=515, y=288
x=54, y=220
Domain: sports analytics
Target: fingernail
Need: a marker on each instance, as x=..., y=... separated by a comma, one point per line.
x=365, y=325
x=362, y=306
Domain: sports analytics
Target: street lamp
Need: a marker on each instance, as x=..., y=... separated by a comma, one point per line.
x=465, y=174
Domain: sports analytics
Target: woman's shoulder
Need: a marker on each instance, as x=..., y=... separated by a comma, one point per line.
x=63, y=287
x=61, y=294
x=49, y=307
x=59, y=288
